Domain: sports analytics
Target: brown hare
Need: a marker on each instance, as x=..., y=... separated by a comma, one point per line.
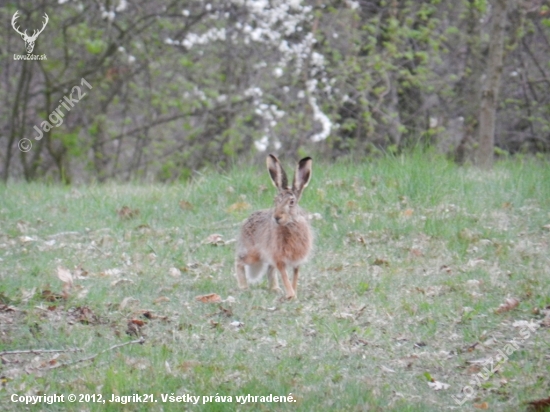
x=279, y=237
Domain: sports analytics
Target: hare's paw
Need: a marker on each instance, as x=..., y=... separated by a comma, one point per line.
x=277, y=290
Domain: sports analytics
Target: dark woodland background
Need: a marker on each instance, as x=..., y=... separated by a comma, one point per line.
x=177, y=86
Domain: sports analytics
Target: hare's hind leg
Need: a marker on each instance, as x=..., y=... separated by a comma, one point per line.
x=295, y=280
x=272, y=278
x=288, y=287
x=240, y=274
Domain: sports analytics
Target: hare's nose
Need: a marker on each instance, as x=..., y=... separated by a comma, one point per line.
x=277, y=219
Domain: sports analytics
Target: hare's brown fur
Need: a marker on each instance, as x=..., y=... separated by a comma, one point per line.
x=279, y=237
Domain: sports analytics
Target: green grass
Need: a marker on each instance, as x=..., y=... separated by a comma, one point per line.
x=412, y=257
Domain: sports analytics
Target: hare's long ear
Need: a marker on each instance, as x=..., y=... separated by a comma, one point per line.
x=277, y=173
x=302, y=176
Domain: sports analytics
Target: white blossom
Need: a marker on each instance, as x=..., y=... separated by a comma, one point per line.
x=277, y=72
x=122, y=5
x=318, y=115
x=261, y=145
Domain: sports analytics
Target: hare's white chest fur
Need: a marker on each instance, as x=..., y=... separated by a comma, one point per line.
x=292, y=243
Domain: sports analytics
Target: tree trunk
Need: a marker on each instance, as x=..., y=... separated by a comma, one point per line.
x=489, y=94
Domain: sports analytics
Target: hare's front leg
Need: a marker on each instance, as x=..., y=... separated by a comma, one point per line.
x=240, y=274
x=288, y=287
x=272, y=278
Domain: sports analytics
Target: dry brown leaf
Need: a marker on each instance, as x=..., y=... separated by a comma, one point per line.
x=381, y=262
x=7, y=308
x=84, y=315
x=210, y=298
x=65, y=276
x=137, y=322
x=483, y=405
x=238, y=207
x=190, y=364
x=161, y=299
x=540, y=405
x=214, y=239
x=509, y=304
x=49, y=296
x=133, y=329
x=407, y=212
x=416, y=252
x=352, y=205
x=185, y=205
x=446, y=269
x=127, y=213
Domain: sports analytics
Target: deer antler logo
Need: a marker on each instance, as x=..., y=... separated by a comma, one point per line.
x=29, y=40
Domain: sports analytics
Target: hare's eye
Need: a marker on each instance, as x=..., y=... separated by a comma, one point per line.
x=292, y=201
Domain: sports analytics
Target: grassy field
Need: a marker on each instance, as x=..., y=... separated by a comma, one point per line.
x=429, y=290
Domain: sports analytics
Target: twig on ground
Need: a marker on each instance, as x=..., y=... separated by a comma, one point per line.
x=37, y=351
x=141, y=340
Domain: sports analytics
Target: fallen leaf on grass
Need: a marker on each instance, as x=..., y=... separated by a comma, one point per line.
x=416, y=252
x=214, y=239
x=239, y=206
x=162, y=299
x=407, y=212
x=381, y=262
x=509, y=304
x=483, y=405
x=7, y=308
x=209, y=298
x=65, y=276
x=446, y=268
x=137, y=363
x=540, y=405
x=83, y=315
x=49, y=296
x=236, y=324
x=128, y=301
x=190, y=364
x=185, y=205
x=148, y=315
x=133, y=329
x=386, y=369
x=126, y=213
x=27, y=294
x=110, y=272
x=437, y=386
x=222, y=312
x=120, y=282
